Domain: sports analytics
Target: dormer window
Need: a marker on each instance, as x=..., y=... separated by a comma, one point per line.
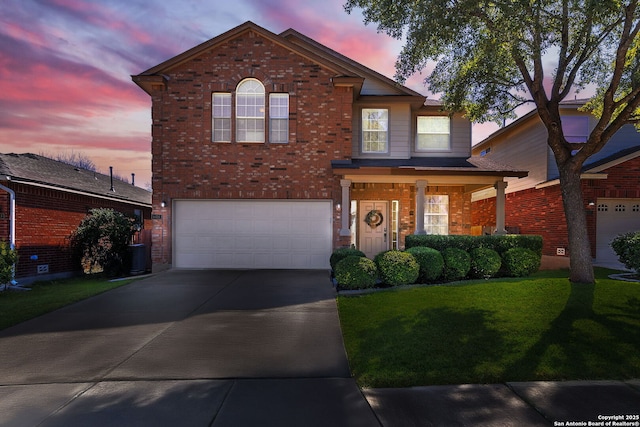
x=375, y=130
x=433, y=133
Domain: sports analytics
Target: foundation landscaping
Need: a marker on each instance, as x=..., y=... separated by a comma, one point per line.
x=438, y=259
x=499, y=324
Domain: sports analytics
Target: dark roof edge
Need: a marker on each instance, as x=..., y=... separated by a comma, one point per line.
x=113, y=197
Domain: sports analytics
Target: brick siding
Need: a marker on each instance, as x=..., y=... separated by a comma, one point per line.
x=187, y=165
x=459, y=204
x=541, y=211
x=45, y=218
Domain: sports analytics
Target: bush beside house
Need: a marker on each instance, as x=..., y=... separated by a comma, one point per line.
x=627, y=248
x=101, y=242
x=8, y=259
x=464, y=257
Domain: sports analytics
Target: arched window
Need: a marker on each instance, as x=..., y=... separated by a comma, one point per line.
x=250, y=108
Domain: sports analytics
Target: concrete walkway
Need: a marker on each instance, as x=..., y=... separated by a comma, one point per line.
x=243, y=348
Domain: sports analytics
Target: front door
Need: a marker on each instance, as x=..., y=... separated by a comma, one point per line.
x=373, y=228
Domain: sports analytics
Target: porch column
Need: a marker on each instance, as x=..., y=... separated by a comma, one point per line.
x=345, y=209
x=500, y=202
x=421, y=185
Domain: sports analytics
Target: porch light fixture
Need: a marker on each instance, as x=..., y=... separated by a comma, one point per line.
x=338, y=207
x=163, y=204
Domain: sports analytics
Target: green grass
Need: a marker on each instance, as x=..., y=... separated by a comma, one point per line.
x=18, y=306
x=536, y=328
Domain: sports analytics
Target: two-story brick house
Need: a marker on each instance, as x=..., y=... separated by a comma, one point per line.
x=610, y=184
x=269, y=150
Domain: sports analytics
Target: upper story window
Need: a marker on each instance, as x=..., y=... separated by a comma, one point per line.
x=575, y=128
x=250, y=111
x=279, y=118
x=221, y=126
x=375, y=130
x=433, y=133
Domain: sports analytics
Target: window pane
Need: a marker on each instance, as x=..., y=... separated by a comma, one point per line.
x=375, y=135
x=575, y=128
x=250, y=111
x=433, y=133
x=221, y=120
x=279, y=117
x=436, y=214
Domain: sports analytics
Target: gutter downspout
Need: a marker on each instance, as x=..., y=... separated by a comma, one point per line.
x=12, y=224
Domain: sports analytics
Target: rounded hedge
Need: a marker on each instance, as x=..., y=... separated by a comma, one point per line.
x=356, y=272
x=485, y=263
x=397, y=268
x=430, y=261
x=457, y=263
x=520, y=262
x=627, y=247
x=342, y=253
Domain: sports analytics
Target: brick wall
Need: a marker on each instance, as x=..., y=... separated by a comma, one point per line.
x=187, y=165
x=44, y=220
x=541, y=211
x=459, y=204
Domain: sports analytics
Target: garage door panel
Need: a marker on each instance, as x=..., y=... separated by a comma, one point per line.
x=252, y=234
x=614, y=217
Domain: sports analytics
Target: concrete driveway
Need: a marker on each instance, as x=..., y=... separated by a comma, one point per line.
x=192, y=348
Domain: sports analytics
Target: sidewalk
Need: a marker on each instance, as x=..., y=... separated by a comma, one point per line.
x=512, y=404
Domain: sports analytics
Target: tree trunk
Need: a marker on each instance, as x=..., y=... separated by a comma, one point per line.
x=581, y=263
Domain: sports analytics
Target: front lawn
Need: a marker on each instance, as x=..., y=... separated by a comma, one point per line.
x=18, y=306
x=525, y=329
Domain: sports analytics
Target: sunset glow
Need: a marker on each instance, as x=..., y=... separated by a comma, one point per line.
x=65, y=66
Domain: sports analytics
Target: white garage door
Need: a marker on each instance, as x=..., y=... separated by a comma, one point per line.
x=615, y=216
x=252, y=234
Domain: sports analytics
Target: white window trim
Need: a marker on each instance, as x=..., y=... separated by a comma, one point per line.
x=256, y=119
x=428, y=214
x=273, y=118
x=432, y=150
x=363, y=130
x=228, y=118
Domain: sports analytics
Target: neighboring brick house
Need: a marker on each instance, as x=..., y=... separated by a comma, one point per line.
x=270, y=150
x=610, y=184
x=50, y=199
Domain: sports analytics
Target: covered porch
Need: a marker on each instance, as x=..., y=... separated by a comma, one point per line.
x=383, y=201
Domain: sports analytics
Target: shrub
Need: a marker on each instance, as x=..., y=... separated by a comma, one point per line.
x=8, y=257
x=441, y=242
x=101, y=241
x=504, y=242
x=520, y=262
x=485, y=263
x=499, y=243
x=397, y=268
x=430, y=262
x=356, y=272
x=341, y=253
x=457, y=263
x=627, y=247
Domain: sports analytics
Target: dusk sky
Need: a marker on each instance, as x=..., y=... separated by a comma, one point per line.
x=65, y=66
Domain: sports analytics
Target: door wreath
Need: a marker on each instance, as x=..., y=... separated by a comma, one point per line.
x=374, y=218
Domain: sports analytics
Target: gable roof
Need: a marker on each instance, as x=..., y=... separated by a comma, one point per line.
x=32, y=169
x=613, y=160
x=342, y=66
x=572, y=104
